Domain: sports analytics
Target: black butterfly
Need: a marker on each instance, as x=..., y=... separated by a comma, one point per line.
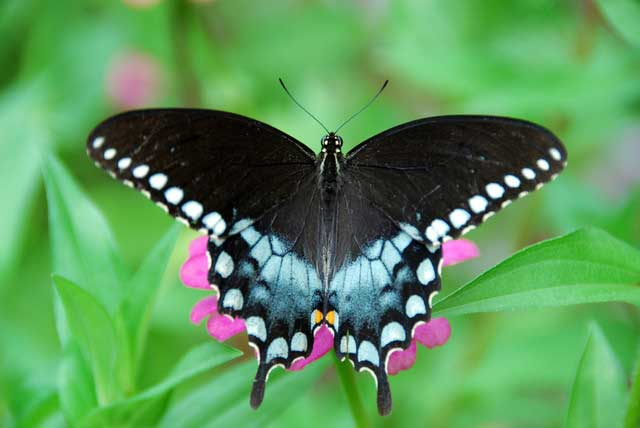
x=299, y=239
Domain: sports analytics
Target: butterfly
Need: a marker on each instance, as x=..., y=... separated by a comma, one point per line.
x=352, y=241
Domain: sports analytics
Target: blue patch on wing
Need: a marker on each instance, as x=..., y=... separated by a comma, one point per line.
x=274, y=289
x=380, y=295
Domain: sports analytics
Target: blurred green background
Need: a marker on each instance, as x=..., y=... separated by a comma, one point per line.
x=573, y=66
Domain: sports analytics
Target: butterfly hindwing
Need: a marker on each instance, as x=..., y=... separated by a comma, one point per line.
x=201, y=165
x=440, y=177
x=382, y=288
x=264, y=274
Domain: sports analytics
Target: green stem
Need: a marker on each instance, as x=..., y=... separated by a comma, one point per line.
x=348, y=381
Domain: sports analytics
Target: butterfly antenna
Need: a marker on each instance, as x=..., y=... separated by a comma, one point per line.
x=384, y=85
x=300, y=105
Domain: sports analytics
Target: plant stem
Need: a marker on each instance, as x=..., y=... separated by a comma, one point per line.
x=187, y=80
x=348, y=381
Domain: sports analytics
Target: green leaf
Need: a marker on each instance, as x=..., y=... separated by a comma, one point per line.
x=224, y=401
x=137, y=304
x=76, y=388
x=94, y=332
x=148, y=407
x=632, y=419
x=81, y=243
x=624, y=16
x=20, y=166
x=582, y=267
x=598, y=394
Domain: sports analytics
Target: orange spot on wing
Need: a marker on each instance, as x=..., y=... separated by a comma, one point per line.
x=331, y=317
x=317, y=316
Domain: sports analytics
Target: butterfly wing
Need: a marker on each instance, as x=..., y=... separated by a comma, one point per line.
x=406, y=191
x=439, y=177
x=252, y=189
x=382, y=288
x=201, y=165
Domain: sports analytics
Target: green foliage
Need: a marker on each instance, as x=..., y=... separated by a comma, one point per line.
x=624, y=16
x=148, y=407
x=583, y=267
x=107, y=342
x=94, y=331
x=598, y=394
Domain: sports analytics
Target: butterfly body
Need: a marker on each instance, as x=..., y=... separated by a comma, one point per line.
x=299, y=240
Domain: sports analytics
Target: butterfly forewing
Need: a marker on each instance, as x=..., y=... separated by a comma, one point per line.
x=202, y=165
x=440, y=177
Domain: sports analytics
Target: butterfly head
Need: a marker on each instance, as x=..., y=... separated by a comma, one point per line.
x=331, y=143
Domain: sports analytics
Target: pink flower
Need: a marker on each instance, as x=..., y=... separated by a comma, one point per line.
x=434, y=333
x=133, y=80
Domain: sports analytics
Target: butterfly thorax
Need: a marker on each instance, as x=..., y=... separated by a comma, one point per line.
x=329, y=162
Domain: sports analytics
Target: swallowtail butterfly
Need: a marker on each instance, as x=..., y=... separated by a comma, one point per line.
x=299, y=239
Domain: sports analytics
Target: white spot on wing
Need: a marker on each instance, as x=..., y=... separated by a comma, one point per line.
x=392, y=332
x=368, y=352
x=555, y=153
x=440, y=226
x=459, y=217
x=224, y=264
x=299, y=342
x=348, y=345
x=256, y=328
x=414, y=306
x=220, y=227
x=211, y=219
x=124, y=163
x=494, y=190
x=411, y=231
x=233, y=299
x=425, y=272
x=97, y=142
x=192, y=209
x=110, y=153
x=438, y=229
x=158, y=181
x=141, y=171
x=528, y=173
x=511, y=181
x=478, y=203
x=543, y=164
x=174, y=195
x=277, y=349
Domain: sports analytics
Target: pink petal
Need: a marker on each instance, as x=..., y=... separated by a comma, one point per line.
x=402, y=360
x=133, y=80
x=204, y=308
x=194, y=272
x=222, y=327
x=322, y=343
x=434, y=333
x=198, y=246
x=457, y=251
